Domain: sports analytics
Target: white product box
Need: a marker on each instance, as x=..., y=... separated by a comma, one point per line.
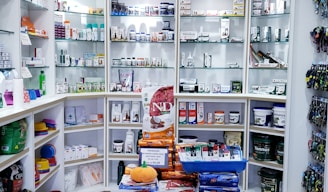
x=184, y=2
x=182, y=113
x=225, y=29
x=92, y=152
x=78, y=151
x=185, y=7
x=185, y=12
x=200, y=113
x=67, y=153
x=192, y=113
x=116, y=113
x=84, y=151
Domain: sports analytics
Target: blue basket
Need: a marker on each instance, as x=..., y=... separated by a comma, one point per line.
x=214, y=166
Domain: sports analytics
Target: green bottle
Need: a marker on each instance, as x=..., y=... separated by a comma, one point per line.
x=42, y=83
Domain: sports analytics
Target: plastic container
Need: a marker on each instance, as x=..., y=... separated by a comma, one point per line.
x=102, y=32
x=42, y=83
x=234, y=117
x=262, y=116
x=280, y=152
x=213, y=166
x=94, y=36
x=219, y=117
x=279, y=115
x=270, y=179
x=118, y=146
x=263, y=147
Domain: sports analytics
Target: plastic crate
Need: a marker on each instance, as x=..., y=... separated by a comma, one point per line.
x=214, y=166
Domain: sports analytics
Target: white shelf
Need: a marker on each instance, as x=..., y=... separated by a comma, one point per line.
x=125, y=126
x=7, y=160
x=99, y=157
x=267, y=164
x=123, y=156
x=211, y=127
x=43, y=139
x=268, y=130
x=86, y=127
x=46, y=176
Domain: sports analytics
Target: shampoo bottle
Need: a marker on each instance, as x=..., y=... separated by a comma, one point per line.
x=129, y=142
x=42, y=83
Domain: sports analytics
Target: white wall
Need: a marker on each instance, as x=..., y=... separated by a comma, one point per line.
x=299, y=98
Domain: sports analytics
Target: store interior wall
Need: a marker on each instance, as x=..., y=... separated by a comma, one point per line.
x=303, y=55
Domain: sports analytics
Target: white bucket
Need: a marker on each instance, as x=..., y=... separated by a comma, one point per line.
x=279, y=117
x=262, y=116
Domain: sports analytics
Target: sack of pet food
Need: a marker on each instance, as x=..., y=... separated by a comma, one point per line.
x=13, y=137
x=159, y=112
x=12, y=178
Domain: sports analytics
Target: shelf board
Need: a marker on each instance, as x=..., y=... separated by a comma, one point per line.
x=123, y=95
x=98, y=187
x=36, y=36
x=270, y=15
x=7, y=160
x=123, y=156
x=267, y=164
x=267, y=97
x=43, y=139
x=100, y=157
x=211, y=68
x=212, y=16
x=79, y=13
x=212, y=97
x=84, y=127
x=211, y=42
x=139, y=67
x=37, y=67
x=124, y=126
x=149, y=16
x=85, y=95
x=269, y=68
x=271, y=42
x=267, y=130
x=6, y=69
x=211, y=127
x=149, y=42
x=46, y=176
x=76, y=40
x=2, y=31
x=80, y=67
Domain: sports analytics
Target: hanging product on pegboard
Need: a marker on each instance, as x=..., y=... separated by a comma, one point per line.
x=320, y=38
x=321, y=7
x=317, y=145
x=313, y=178
x=318, y=111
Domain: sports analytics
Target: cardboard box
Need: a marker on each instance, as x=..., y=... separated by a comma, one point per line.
x=182, y=113
x=192, y=113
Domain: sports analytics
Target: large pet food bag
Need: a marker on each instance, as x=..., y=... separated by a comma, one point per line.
x=12, y=178
x=159, y=112
x=13, y=137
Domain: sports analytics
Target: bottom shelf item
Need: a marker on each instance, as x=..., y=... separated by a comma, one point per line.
x=214, y=166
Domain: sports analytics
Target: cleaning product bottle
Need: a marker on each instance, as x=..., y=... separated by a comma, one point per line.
x=190, y=61
x=42, y=83
x=120, y=171
x=129, y=142
x=139, y=137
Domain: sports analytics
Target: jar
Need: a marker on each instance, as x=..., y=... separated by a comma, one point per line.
x=118, y=146
x=170, y=9
x=234, y=117
x=219, y=117
x=132, y=35
x=142, y=36
x=137, y=36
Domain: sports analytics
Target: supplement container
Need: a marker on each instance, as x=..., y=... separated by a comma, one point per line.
x=279, y=115
x=118, y=146
x=262, y=116
x=219, y=117
x=280, y=152
x=94, y=36
x=263, y=147
x=102, y=32
x=234, y=117
x=270, y=179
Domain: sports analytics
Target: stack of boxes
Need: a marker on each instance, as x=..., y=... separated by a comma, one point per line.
x=5, y=60
x=185, y=7
x=238, y=7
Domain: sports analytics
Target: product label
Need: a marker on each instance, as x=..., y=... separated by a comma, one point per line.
x=183, y=113
x=192, y=112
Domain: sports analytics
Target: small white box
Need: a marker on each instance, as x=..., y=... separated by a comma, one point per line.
x=185, y=7
x=200, y=113
x=92, y=152
x=185, y=12
x=85, y=151
x=184, y=2
x=78, y=152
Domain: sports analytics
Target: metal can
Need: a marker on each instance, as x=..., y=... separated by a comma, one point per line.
x=266, y=34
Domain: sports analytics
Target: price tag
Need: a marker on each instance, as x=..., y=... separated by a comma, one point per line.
x=25, y=73
x=25, y=39
x=155, y=157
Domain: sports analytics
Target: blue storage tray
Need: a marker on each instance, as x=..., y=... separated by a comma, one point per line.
x=213, y=166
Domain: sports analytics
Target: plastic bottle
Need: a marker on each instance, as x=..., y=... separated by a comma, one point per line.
x=102, y=32
x=190, y=61
x=129, y=142
x=67, y=25
x=42, y=83
x=95, y=32
x=120, y=171
x=89, y=32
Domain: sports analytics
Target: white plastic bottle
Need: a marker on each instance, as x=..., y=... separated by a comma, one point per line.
x=129, y=142
x=89, y=32
x=95, y=32
x=102, y=32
